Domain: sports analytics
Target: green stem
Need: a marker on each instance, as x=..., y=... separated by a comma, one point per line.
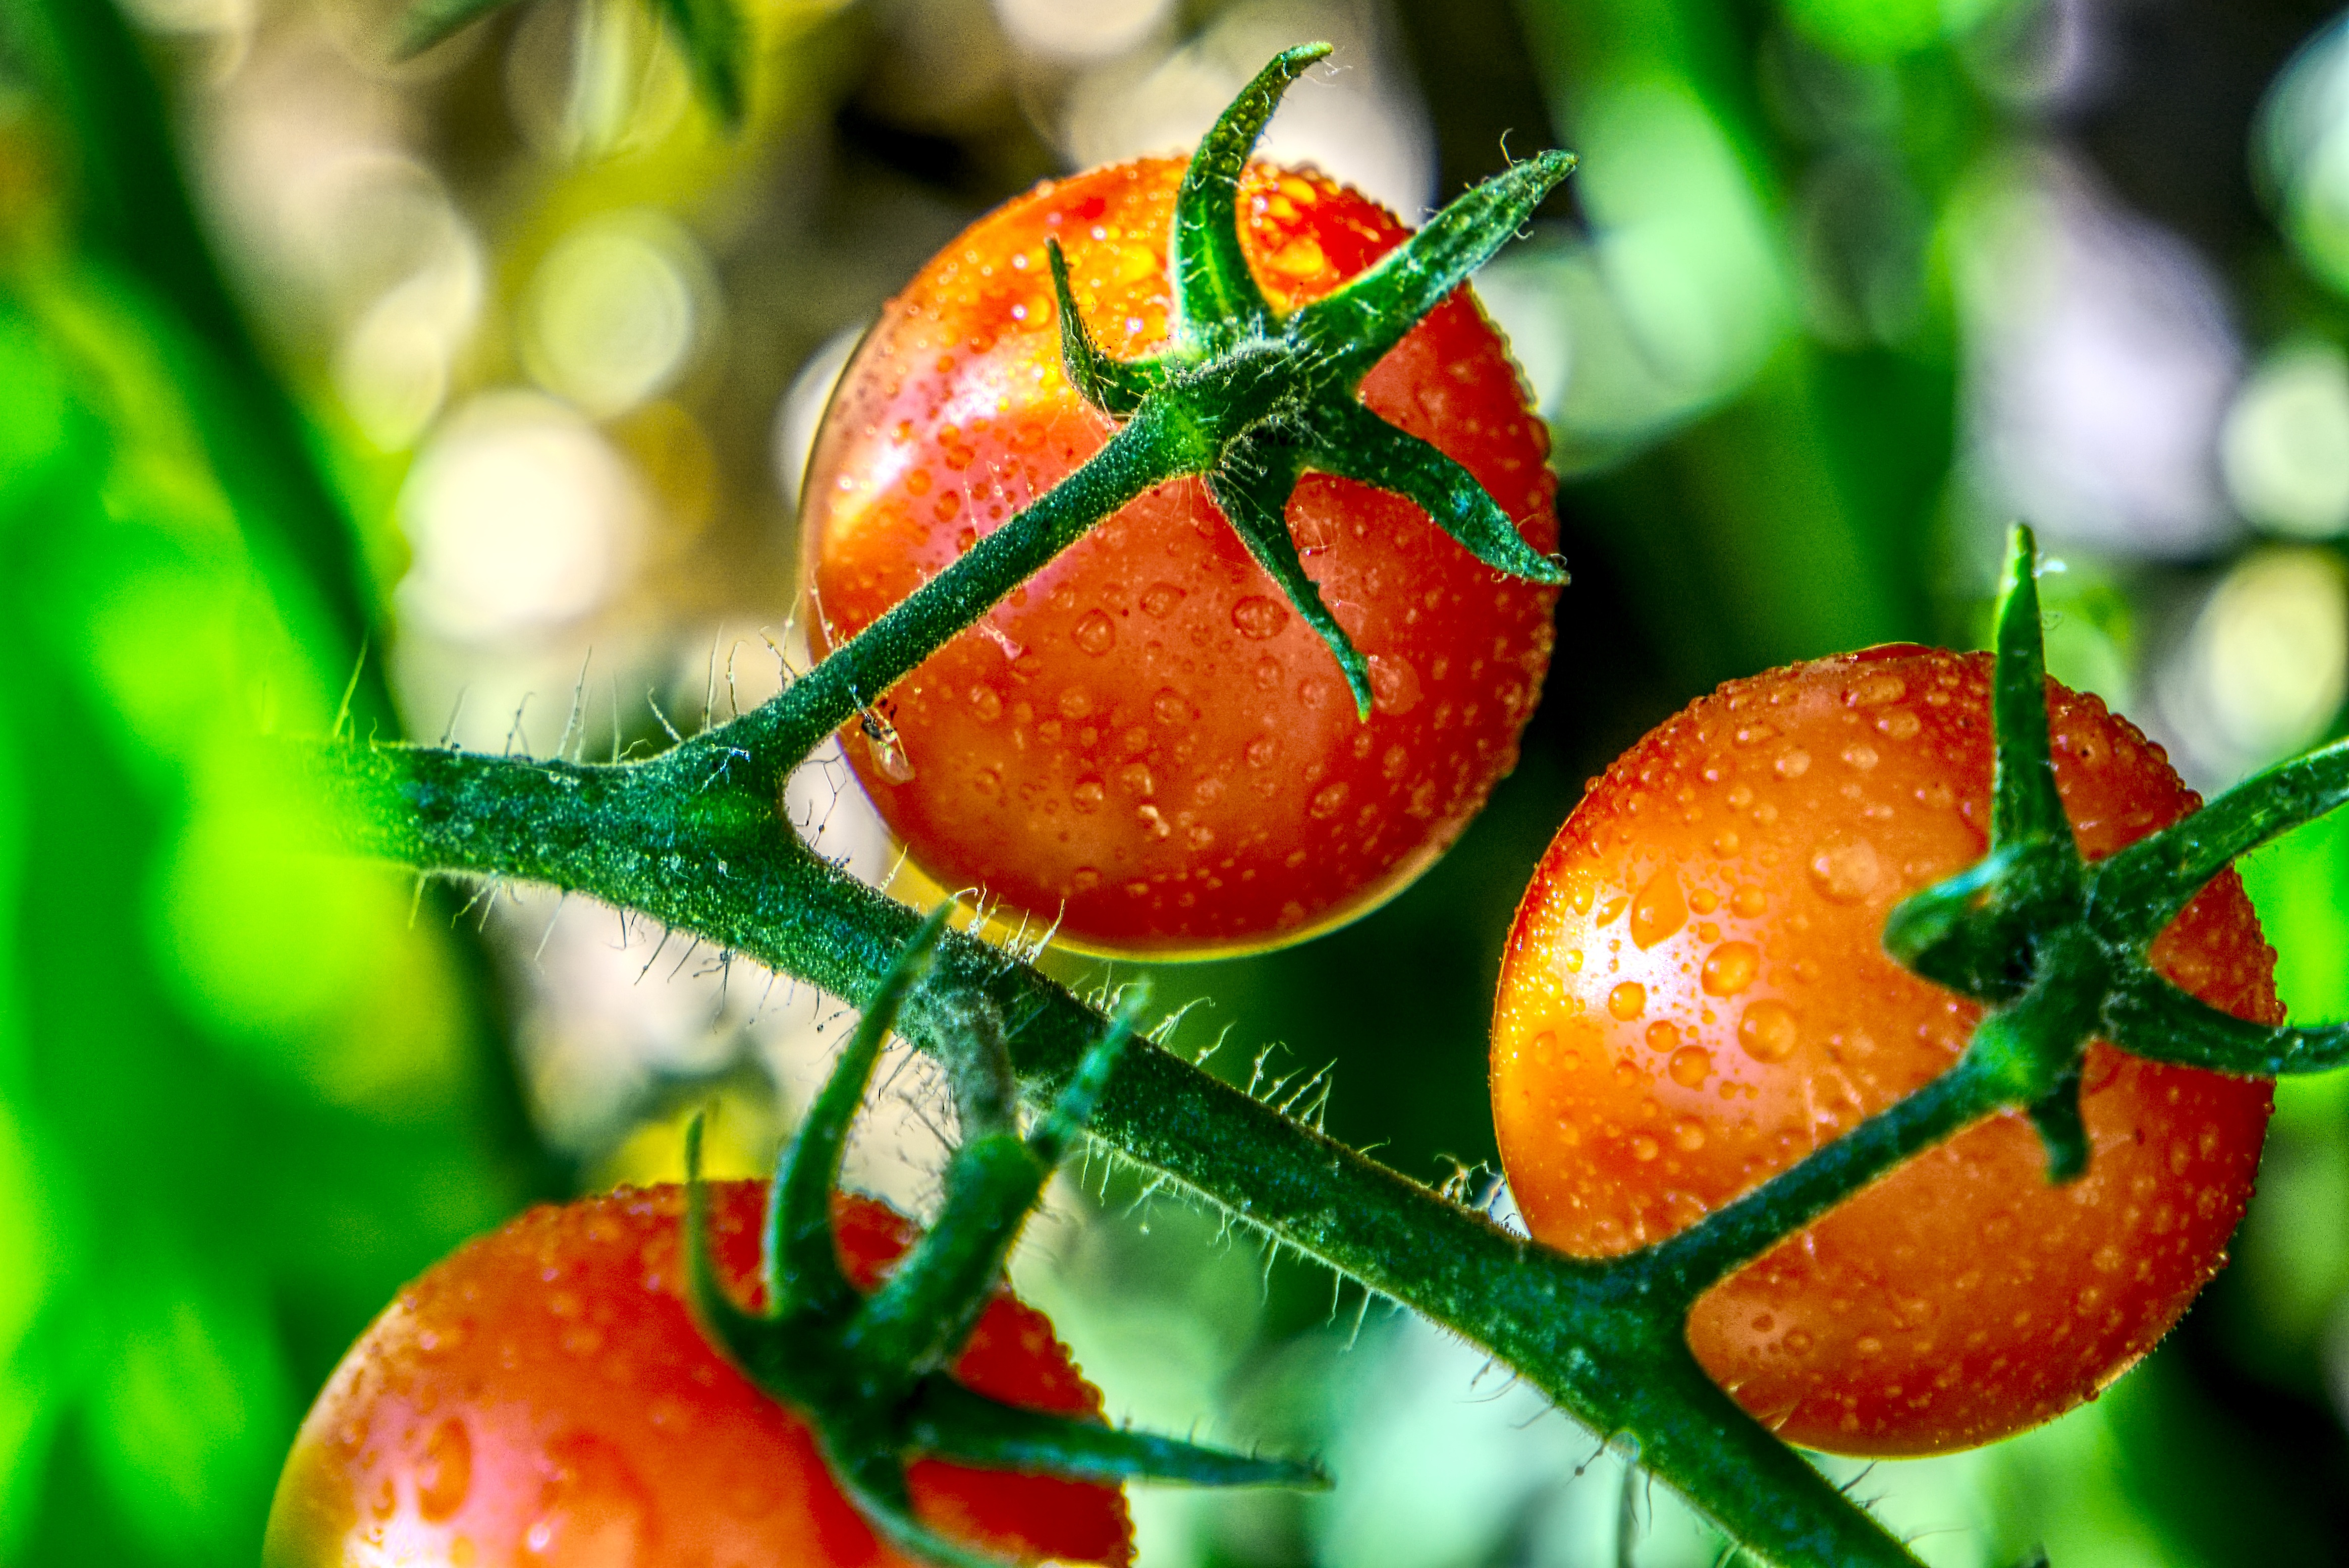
x=776, y=737
x=1603, y=1340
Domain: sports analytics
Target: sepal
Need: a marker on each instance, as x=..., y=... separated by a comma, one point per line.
x=1215, y=295
x=1253, y=487
x=951, y=1421
x=1356, y=325
x=1352, y=443
x=1115, y=387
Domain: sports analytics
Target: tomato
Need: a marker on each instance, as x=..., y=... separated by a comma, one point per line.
x=544, y=1396
x=1146, y=742
x=1694, y=996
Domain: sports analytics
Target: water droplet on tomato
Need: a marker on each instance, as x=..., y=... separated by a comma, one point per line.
x=1394, y=684
x=1260, y=751
x=1257, y=617
x=1748, y=900
x=1767, y=1032
x=1691, y=1066
x=1877, y=689
x=1329, y=800
x=1663, y=1035
x=984, y=705
x=1644, y=1148
x=1899, y=725
x=1859, y=754
x=1088, y=794
x=445, y=1474
x=1846, y=870
x=1793, y=763
x=1628, y=1000
x=1729, y=968
x=1688, y=1135
x=1095, y=634
x=1160, y=598
x=593, y=1508
x=1658, y=911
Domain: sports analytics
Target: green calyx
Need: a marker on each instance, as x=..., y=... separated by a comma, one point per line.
x=870, y=1372
x=2060, y=948
x=1250, y=399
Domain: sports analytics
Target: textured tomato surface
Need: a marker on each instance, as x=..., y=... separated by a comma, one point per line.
x=1694, y=996
x=542, y=1397
x=1145, y=740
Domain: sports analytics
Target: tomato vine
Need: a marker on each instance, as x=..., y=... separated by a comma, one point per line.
x=693, y=837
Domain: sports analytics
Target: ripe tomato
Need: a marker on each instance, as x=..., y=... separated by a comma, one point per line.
x=1694, y=996
x=544, y=1396
x=1145, y=741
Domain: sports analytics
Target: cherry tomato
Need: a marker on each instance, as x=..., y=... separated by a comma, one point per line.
x=1146, y=742
x=544, y=1396
x=1694, y=996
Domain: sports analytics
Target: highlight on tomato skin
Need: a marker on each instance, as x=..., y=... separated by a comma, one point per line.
x=544, y=1396
x=1694, y=996
x=1146, y=743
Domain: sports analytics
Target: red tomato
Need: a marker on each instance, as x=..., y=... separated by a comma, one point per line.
x=544, y=1396
x=1146, y=742
x=1694, y=996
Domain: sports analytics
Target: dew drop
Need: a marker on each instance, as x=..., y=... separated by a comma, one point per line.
x=1329, y=800
x=1691, y=1066
x=984, y=705
x=1688, y=1135
x=1846, y=870
x=1658, y=911
x=1170, y=707
x=1628, y=1000
x=1663, y=1035
x=1767, y=1032
x=1748, y=900
x=1259, y=618
x=1572, y=961
x=1899, y=725
x=1877, y=689
x=1160, y=599
x=1088, y=794
x=1729, y=968
x=1095, y=634
x=1260, y=751
x=1644, y=1148
x=445, y=1475
x=593, y=1508
x=1796, y=1342
x=1859, y=754
x=1793, y=763
x=1394, y=684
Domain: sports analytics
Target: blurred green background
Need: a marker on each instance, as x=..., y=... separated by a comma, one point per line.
x=502, y=362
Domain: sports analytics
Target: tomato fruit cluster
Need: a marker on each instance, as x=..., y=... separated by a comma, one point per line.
x=544, y=1396
x=1694, y=996
x=1146, y=743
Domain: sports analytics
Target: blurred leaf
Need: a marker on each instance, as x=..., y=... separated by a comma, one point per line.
x=718, y=44
x=430, y=22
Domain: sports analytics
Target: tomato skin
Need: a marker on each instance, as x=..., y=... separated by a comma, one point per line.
x=1144, y=740
x=1734, y=870
x=544, y=1396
